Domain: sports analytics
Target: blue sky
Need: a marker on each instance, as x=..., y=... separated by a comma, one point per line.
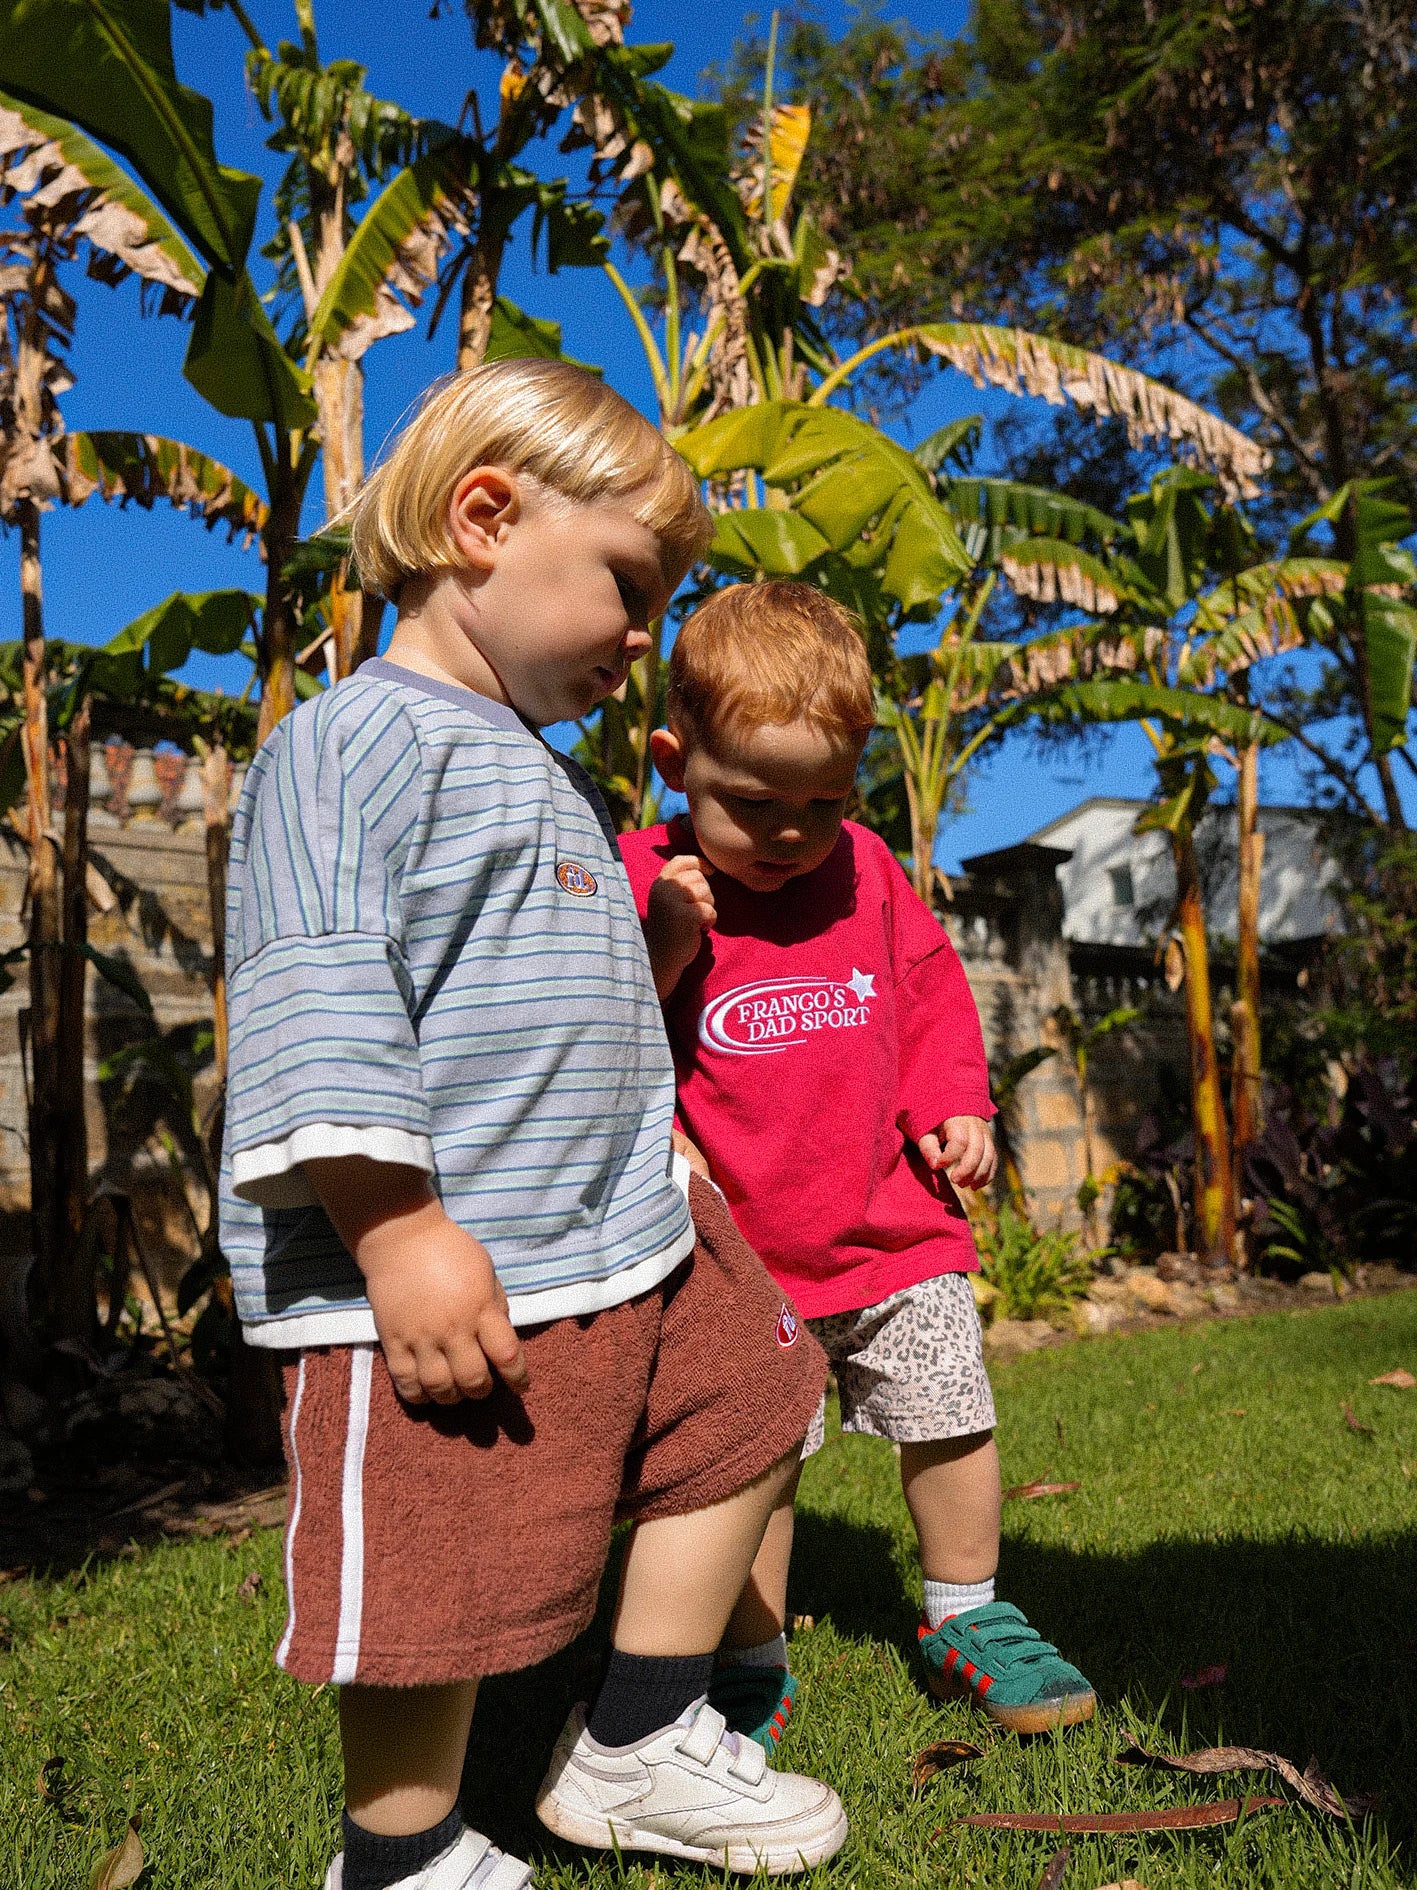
x=104, y=567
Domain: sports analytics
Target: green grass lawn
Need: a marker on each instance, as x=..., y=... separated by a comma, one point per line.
x=1227, y=1515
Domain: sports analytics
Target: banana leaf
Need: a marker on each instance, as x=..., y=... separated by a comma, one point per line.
x=106, y=66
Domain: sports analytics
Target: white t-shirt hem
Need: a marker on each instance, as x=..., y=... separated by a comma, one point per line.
x=271, y=1175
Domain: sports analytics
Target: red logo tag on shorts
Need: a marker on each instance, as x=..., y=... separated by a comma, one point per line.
x=786, y=1326
x=576, y=879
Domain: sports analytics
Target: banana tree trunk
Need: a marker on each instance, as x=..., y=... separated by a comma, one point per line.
x=1214, y=1199
x=73, y=1305
x=339, y=396
x=45, y=926
x=922, y=839
x=278, y=630
x=1392, y=800
x=479, y=299
x=1246, y=1106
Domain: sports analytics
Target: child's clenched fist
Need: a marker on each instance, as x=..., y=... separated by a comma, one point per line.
x=680, y=910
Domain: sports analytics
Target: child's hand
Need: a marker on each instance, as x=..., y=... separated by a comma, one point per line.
x=439, y=1308
x=681, y=909
x=964, y=1147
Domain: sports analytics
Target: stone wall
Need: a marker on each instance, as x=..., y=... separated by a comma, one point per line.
x=147, y=842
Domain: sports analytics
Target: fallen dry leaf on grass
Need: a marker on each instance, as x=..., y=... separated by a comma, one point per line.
x=1127, y=1883
x=247, y=1590
x=1174, y=1818
x=1026, y=1492
x=1399, y=1380
x=940, y=1757
x=51, y=1779
x=1055, y=1868
x=1207, y=1677
x=1359, y=1430
x=1310, y=1784
x=121, y=1866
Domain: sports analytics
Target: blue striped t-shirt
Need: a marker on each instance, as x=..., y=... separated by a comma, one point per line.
x=433, y=957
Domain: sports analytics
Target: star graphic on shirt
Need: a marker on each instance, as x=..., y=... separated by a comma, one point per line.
x=863, y=983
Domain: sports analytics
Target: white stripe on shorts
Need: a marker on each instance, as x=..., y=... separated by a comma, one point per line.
x=293, y=1522
x=351, y=1571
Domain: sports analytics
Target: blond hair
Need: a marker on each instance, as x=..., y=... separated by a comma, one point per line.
x=769, y=653
x=545, y=420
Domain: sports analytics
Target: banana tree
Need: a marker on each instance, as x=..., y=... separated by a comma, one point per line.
x=63, y=195
x=1180, y=678
x=341, y=140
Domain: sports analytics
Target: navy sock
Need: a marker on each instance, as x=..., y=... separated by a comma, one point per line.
x=640, y=1694
x=372, y=1862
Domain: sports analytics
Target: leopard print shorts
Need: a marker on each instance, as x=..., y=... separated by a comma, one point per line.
x=911, y=1368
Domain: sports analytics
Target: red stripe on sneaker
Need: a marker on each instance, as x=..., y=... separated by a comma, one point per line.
x=970, y=1670
x=985, y=1684
x=952, y=1659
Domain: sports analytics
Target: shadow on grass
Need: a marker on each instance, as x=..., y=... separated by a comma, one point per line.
x=1317, y=1639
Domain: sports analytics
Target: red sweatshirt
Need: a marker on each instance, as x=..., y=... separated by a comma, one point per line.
x=821, y=1031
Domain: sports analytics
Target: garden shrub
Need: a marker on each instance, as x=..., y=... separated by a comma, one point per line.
x=1037, y=1274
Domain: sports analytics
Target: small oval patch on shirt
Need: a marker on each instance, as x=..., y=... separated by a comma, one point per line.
x=576, y=879
x=786, y=1327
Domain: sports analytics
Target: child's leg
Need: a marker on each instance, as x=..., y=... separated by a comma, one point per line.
x=952, y=1491
x=760, y=1612
x=652, y=1767
x=684, y=1576
x=751, y=1684
x=912, y=1369
x=403, y=1753
x=681, y=1578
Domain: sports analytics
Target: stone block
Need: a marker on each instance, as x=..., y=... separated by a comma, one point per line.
x=1057, y=1109
x=1107, y=1292
x=1151, y=1293
x=1097, y=1315
x=1046, y=1163
x=1186, y=1301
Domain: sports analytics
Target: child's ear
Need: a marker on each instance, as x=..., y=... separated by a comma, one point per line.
x=486, y=503
x=667, y=752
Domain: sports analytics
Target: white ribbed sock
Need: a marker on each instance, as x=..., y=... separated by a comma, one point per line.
x=771, y=1653
x=942, y=1598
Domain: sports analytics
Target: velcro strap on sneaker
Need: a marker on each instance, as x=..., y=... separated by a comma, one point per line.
x=455, y=1869
x=701, y=1740
x=749, y=1762
x=508, y=1873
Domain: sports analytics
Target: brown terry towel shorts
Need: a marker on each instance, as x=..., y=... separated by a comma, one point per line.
x=436, y=1542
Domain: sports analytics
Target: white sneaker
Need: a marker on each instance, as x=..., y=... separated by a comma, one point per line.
x=689, y=1791
x=473, y=1863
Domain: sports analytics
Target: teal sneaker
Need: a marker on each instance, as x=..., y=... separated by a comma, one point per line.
x=992, y=1656
x=756, y=1701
